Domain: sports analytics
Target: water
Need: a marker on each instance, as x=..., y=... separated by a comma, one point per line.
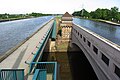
x=14, y=32
x=107, y=31
x=72, y=65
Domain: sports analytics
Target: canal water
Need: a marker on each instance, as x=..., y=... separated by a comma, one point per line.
x=72, y=65
x=105, y=30
x=14, y=32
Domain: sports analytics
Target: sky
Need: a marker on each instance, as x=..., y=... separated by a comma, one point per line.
x=54, y=6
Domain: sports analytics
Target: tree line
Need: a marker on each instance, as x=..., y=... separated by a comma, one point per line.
x=112, y=14
x=15, y=16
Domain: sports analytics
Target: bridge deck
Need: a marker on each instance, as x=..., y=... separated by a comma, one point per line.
x=23, y=53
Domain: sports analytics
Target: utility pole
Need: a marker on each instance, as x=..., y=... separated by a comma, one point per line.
x=82, y=9
x=74, y=10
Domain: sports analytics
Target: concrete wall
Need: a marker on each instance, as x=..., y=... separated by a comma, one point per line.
x=67, y=22
x=94, y=47
x=67, y=18
x=66, y=32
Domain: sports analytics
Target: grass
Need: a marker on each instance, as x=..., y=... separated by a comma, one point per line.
x=58, y=17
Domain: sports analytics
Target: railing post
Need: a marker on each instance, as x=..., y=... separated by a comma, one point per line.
x=14, y=75
x=30, y=68
x=55, y=71
x=11, y=74
x=22, y=75
x=0, y=74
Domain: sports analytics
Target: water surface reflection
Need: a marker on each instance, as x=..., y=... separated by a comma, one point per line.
x=13, y=32
x=108, y=31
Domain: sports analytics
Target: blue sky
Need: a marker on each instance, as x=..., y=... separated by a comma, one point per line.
x=54, y=6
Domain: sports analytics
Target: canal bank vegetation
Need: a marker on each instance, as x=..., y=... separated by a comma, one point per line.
x=102, y=15
x=10, y=17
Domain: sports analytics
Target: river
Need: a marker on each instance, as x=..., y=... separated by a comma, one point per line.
x=105, y=30
x=14, y=32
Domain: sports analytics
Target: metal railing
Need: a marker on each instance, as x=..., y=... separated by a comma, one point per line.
x=49, y=67
x=53, y=36
x=18, y=74
x=40, y=47
x=40, y=74
x=12, y=74
x=37, y=55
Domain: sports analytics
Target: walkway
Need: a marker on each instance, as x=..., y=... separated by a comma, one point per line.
x=18, y=57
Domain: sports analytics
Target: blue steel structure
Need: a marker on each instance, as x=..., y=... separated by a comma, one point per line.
x=44, y=68
x=12, y=74
x=40, y=74
x=37, y=55
x=54, y=31
x=38, y=69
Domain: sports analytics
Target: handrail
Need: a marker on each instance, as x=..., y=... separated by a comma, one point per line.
x=39, y=42
x=12, y=74
x=50, y=67
x=41, y=45
x=55, y=71
x=54, y=31
x=40, y=74
x=40, y=48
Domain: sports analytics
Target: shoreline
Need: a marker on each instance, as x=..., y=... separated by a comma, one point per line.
x=13, y=19
x=6, y=20
x=108, y=22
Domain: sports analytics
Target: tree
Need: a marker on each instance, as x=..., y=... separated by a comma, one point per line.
x=77, y=13
x=97, y=14
x=114, y=13
x=82, y=13
x=118, y=16
x=106, y=14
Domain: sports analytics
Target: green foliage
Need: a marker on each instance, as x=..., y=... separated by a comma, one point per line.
x=100, y=14
x=82, y=13
x=21, y=16
x=118, y=16
x=60, y=30
x=37, y=14
x=105, y=14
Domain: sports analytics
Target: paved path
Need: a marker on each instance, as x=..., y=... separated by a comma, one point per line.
x=23, y=53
